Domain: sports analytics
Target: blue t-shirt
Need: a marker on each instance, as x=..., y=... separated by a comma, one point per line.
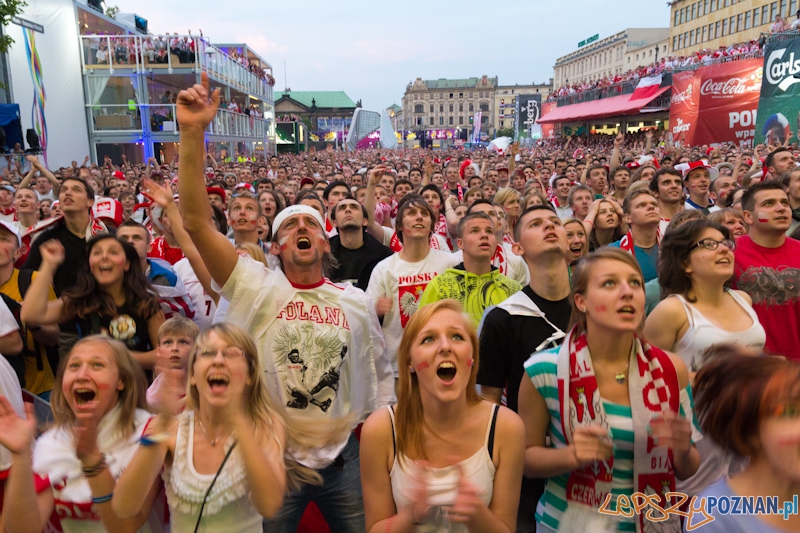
x=647, y=258
x=729, y=523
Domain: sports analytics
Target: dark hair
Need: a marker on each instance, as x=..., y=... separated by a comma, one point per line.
x=349, y=197
x=402, y=181
x=278, y=202
x=479, y=202
x=471, y=216
x=786, y=178
x=410, y=200
x=86, y=297
x=434, y=188
x=735, y=392
x=617, y=170
x=591, y=238
x=130, y=223
x=220, y=219
x=561, y=177
x=682, y=217
x=749, y=196
x=308, y=193
x=531, y=209
x=86, y=186
x=596, y=167
x=674, y=254
x=665, y=171
x=332, y=185
x=731, y=194
x=770, y=159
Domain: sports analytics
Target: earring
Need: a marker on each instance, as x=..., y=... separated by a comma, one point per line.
x=412, y=369
x=583, y=310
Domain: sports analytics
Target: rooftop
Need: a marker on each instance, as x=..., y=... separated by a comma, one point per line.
x=321, y=98
x=466, y=83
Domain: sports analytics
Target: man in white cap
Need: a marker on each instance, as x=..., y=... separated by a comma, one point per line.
x=320, y=344
x=697, y=177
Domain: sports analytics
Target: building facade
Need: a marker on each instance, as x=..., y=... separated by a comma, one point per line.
x=612, y=55
x=328, y=113
x=505, y=102
x=699, y=24
x=449, y=105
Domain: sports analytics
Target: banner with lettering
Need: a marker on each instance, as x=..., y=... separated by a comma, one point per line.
x=728, y=102
x=548, y=130
x=529, y=112
x=779, y=106
x=683, y=108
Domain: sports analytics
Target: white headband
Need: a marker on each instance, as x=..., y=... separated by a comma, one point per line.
x=292, y=210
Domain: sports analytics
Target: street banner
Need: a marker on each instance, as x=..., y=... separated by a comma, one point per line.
x=476, y=126
x=779, y=106
x=548, y=130
x=527, y=115
x=683, y=107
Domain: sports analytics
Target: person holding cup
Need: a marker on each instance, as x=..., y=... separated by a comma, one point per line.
x=442, y=459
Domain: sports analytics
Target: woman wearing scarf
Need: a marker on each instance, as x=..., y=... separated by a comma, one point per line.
x=617, y=410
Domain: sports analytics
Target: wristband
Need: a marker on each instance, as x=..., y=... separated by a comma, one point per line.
x=103, y=499
x=91, y=471
x=389, y=523
x=154, y=439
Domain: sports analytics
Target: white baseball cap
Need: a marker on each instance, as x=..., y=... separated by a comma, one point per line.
x=10, y=227
x=293, y=210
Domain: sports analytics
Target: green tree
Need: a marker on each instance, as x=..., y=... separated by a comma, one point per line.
x=8, y=9
x=111, y=12
x=505, y=132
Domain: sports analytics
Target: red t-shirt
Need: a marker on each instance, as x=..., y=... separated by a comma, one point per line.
x=771, y=276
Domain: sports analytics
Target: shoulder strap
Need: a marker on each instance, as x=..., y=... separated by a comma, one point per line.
x=687, y=308
x=24, y=281
x=490, y=434
x=394, y=435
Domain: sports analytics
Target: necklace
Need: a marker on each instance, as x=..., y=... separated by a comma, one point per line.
x=213, y=442
x=618, y=376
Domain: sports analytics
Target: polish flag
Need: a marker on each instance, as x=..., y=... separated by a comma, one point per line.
x=647, y=88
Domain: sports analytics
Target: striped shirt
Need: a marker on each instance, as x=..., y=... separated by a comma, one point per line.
x=541, y=369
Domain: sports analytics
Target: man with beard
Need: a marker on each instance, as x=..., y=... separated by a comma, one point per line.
x=292, y=308
x=356, y=251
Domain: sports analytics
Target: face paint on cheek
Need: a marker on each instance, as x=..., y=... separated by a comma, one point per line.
x=423, y=365
x=470, y=363
x=600, y=309
x=763, y=217
x=103, y=386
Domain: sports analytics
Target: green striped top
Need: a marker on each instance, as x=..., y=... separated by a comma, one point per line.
x=541, y=369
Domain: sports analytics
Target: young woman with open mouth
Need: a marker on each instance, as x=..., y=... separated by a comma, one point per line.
x=99, y=408
x=576, y=238
x=626, y=406
x=700, y=311
x=111, y=296
x=224, y=455
x=442, y=459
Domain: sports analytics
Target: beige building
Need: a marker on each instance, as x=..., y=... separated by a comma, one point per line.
x=505, y=100
x=615, y=54
x=699, y=24
x=448, y=104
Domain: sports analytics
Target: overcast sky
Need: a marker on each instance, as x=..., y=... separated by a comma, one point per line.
x=373, y=49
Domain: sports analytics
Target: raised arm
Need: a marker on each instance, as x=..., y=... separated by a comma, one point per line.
x=36, y=309
x=616, y=158
x=196, y=109
x=311, y=153
x=427, y=171
x=373, y=176
x=514, y=149
x=26, y=181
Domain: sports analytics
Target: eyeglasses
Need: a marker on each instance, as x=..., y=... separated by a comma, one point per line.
x=711, y=244
x=790, y=409
x=230, y=352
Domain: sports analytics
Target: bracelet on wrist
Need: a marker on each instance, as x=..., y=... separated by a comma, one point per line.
x=103, y=499
x=91, y=471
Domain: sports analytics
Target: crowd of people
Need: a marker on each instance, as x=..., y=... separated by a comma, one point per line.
x=412, y=340
x=702, y=57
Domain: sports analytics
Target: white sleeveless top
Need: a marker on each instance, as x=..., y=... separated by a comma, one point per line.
x=702, y=333
x=227, y=508
x=442, y=483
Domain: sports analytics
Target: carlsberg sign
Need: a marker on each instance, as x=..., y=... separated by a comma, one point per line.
x=779, y=105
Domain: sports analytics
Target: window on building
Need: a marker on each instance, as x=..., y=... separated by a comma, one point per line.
x=693, y=12
x=471, y=107
x=764, y=15
x=732, y=25
x=637, y=57
x=746, y=21
x=451, y=121
x=441, y=121
x=783, y=9
x=717, y=30
x=430, y=120
x=739, y=22
x=756, y=17
x=713, y=5
x=451, y=108
x=461, y=95
x=461, y=121
x=683, y=11
x=484, y=107
x=792, y=8
x=441, y=108
x=773, y=10
x=686, y=38
x=677, y=16
x=674, y=45
x=431, y=109
x=691, y=38
x=484, y=119
x=451, y=95
x=460, y=107
x=419, y=108
x=705, y=7
x=419, y=121
x=704, y=34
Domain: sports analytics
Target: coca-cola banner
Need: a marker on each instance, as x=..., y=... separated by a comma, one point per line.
x=779, y=107
x=729, y=95
x=548, y=130
x=716, y=104
x=683, y=107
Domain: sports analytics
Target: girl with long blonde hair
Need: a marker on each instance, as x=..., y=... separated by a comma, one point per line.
x=236, y=427
x=442, y=458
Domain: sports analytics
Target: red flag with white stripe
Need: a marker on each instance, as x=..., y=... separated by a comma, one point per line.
x=647, y=87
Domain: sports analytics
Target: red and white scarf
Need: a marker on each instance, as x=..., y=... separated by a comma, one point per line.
x=654, y=389
x=395, y=245
x=626, y=242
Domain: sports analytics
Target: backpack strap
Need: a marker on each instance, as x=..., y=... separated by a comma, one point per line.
x=490, y=437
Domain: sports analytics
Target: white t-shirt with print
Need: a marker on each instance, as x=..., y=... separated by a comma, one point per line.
x=204, y=306
x=404, y=283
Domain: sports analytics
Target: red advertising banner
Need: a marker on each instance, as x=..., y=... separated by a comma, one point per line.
x=716, y=104
x=684, y=107
x=548, y=130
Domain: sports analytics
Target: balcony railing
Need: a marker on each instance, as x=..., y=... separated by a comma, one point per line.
x=142, y=54
x=127, y=118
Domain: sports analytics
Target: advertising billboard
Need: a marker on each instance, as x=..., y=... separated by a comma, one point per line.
x=779, y=106
x=530, y=109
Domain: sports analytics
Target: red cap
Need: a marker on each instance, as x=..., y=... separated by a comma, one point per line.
x=306, y=180
x=108, y=209
x=219, y=191
x=119, y=175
